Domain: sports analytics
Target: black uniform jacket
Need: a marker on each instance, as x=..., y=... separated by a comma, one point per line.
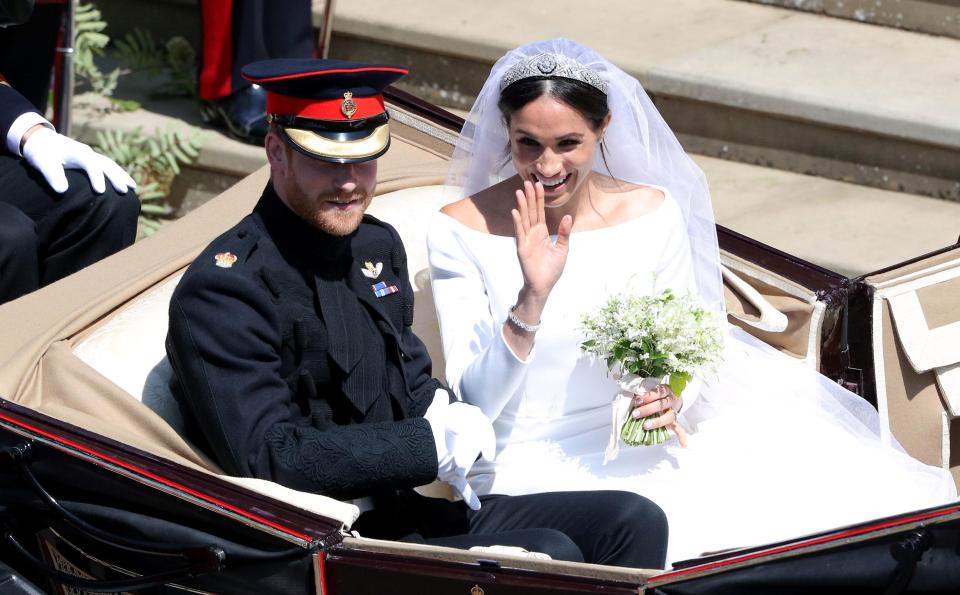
x=12, y=106
x=289, y=366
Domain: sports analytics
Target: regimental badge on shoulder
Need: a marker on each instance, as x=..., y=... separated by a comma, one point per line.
x=370, y=270
x=381, y=289
x=348, y=107
x=225, y=260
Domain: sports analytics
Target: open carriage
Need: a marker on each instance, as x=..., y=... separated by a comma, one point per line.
x=103, y=494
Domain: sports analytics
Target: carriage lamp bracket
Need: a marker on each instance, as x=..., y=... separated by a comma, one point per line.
x=908, y=552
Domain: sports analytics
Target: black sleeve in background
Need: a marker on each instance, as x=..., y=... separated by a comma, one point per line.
x=27, y=53
x=12, y=106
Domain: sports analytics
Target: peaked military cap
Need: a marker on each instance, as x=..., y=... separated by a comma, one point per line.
x=328, y=109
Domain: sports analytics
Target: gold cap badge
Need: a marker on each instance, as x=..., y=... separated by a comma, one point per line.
x=225, y=260
x=476, y=590
x=348, y=107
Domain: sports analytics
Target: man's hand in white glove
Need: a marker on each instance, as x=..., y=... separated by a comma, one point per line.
x=50, y=153
x=462, y=433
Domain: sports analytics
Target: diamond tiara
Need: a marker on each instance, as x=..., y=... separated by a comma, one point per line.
x=552, y=65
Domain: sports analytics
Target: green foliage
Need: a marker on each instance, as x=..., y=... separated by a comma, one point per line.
x=176, y=59
x=89, y=43
x=153, y=161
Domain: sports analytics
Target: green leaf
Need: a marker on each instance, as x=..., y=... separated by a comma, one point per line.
x=678, y=382
x=126, y=105
x=155, y=209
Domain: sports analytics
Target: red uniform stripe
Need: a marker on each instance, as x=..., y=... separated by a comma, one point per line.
x=298, y=75
x=217, y=71
x=323, y=109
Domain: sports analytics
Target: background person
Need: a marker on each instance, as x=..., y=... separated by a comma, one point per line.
x=54, y=220
x=238, y=32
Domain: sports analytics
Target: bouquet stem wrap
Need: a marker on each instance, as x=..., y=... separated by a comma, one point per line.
x=623, y=426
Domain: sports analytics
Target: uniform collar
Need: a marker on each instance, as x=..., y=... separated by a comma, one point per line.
x=295, y=236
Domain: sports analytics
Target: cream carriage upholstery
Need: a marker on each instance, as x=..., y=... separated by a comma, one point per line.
x=916, y=350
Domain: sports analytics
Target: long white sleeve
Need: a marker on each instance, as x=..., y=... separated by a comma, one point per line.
x=480, y=366
x=675, y=270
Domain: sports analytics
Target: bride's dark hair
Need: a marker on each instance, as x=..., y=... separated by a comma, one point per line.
x=589, y=101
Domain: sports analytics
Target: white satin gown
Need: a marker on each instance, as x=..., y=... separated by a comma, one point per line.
x=776, y=450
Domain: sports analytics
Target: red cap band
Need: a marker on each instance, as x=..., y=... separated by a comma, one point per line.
x=325, y=109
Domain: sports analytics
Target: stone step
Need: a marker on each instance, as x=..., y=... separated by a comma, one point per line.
x=850, y=228
x=737, y=80
x=934, y=17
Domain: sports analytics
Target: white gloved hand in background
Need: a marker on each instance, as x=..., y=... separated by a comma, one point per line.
x=462, y=433
x=50, y=153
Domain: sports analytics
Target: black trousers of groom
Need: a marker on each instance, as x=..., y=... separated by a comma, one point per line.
x=600, y=527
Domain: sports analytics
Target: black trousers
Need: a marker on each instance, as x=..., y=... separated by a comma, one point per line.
x=45, y=236
x=600, y=527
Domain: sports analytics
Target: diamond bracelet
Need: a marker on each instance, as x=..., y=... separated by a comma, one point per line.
x=513, y=318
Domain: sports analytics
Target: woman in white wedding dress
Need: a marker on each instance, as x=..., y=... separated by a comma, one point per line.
x=577, y=190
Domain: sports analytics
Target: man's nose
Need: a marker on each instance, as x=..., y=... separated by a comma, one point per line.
x=345, y=179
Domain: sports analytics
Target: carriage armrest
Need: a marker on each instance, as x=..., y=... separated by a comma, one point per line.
x=328, y=507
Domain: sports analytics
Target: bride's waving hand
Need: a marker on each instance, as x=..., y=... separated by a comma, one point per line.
x=541, y=259
x=541, y=262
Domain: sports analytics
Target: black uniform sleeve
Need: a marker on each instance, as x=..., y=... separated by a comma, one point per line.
x=12, y=106
x=224, y=345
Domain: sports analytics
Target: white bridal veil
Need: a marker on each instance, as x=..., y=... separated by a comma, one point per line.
x=639, y=147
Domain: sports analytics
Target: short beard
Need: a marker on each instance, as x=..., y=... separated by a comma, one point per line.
x=337, y=223
x=330, y=221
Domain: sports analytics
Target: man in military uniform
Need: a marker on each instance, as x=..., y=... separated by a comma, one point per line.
x=53, y=220
x=290, y=338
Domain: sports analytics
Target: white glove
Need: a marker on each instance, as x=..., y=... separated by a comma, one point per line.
x=462, y=433
x=50, y=153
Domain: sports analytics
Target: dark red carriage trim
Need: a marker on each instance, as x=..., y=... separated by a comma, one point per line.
x=807, y=543
x=143, y=472
x=322, y=572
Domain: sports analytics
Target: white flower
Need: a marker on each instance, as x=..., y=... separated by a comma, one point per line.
x=655, y=335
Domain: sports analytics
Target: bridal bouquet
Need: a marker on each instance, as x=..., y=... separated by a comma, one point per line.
x=661, y=338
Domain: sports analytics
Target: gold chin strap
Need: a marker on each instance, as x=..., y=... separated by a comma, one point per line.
x=354, y=149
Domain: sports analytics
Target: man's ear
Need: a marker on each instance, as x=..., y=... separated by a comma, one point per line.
x=277, y=153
